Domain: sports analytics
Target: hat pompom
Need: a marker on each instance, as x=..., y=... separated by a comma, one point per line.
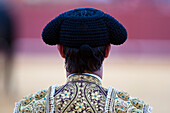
x=51, y=31
x=117, y=32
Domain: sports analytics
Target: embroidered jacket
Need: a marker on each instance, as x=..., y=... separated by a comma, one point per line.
x=82, y=93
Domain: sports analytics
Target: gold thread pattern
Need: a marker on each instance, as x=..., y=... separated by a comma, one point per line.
x=81, y=94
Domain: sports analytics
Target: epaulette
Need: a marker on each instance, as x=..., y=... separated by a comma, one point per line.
x=39, y=102
x=122, y=102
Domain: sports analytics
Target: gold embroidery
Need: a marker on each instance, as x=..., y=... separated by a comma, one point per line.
x=84, y=78
x=82, y=93
x=126, y=104
x=80, y=96
x=34, y=103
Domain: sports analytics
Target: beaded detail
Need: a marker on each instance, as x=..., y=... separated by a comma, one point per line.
x=121, y=102
x=81, y=94
x=86, y=77
x=33, y=103
x=127, y=104
x=80, y=97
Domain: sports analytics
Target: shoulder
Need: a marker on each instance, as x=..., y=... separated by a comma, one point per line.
x=122, y=102
x=36, y=102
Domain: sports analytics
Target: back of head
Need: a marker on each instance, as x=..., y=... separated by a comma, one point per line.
x=84, y=59
x=84, y=34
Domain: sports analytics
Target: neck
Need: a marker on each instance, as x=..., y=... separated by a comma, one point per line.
x=98, y=72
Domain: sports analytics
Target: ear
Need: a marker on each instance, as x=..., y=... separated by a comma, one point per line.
x=108, y=47
x=60, y=49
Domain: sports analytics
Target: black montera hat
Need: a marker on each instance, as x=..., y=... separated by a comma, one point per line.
x=84, y=26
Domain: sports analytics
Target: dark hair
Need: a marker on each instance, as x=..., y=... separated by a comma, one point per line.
x=85, y=58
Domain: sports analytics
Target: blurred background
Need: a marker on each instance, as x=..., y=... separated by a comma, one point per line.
x=141, y=66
